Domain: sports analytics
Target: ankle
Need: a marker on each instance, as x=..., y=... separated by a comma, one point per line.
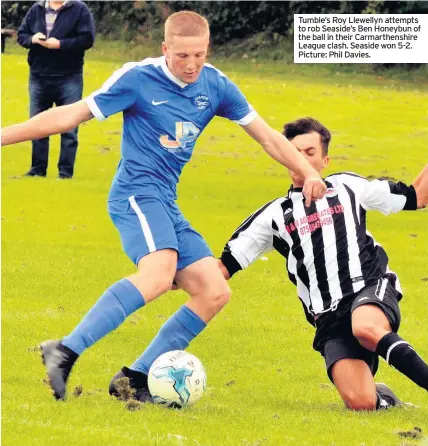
x=139, y=379
x=70, y=353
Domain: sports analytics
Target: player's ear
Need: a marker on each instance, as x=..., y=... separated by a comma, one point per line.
x=325, y=161
x=164, y=48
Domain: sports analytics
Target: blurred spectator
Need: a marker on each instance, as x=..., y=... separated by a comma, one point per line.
x=5, y=33
x=57, y=34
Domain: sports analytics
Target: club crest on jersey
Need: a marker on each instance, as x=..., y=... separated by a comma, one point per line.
x=201, y=101
x=331, y=192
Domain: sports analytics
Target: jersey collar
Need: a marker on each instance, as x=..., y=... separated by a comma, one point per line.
x=170, y=76
x=293, y=189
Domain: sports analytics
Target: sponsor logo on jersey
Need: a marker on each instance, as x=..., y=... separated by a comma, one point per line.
x=158, y=102
x=201, y=101
x=315, y=221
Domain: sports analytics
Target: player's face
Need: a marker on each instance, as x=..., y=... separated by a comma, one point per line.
x=309, y=145
x=185, y=56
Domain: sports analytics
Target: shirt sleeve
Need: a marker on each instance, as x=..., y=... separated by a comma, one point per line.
x=118, y=93
x=25, y=31
x=388, y=197
x=251, y=239
x=382, y=195
x=234, y=105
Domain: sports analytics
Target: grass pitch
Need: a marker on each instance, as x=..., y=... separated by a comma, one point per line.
x=266, y=386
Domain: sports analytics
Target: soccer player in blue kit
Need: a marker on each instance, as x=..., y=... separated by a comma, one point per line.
x=166, y=103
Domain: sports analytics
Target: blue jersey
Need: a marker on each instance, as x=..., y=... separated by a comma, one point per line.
x=162, y=119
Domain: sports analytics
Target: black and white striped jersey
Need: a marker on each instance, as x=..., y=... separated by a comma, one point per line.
x=329, y=252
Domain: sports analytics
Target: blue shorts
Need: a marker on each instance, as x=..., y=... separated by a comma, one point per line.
x=148, y=223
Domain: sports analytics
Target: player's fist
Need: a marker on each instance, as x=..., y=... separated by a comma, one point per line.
x=223, y=269
x=421, y=187
x=36, y=38
x=314, y=188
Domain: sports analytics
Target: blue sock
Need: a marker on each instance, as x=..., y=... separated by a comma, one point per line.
x=175, y=334
x=111, y=309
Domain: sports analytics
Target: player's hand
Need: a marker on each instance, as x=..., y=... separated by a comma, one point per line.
x=421, y=187
x=51, y=43
x=314, y=188
x=223, y=269
x=36, y=38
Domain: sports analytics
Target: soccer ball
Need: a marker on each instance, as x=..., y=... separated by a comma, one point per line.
x=177, y=379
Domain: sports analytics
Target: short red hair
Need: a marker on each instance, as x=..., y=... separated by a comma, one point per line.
x=186, y=24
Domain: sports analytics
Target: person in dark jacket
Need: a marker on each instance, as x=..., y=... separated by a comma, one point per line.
x=57, y=33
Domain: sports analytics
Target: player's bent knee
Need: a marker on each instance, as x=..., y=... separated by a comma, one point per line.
x=358, y=401
x=217, y=300
x=367, y=333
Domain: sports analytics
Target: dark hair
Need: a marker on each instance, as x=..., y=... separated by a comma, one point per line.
x=308, y=125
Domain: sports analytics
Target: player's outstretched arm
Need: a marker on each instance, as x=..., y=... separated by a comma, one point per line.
x=51, y=122
x=390, y=196
x=252, y=238
x=421, y=188
x=280, y=149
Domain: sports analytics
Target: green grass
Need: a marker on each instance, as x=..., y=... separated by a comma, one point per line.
x=266, y=386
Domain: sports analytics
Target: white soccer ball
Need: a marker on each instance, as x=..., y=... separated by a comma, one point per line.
x=177, y=379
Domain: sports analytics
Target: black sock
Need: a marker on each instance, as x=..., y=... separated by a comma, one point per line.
x=72, y=356
x=399, y=354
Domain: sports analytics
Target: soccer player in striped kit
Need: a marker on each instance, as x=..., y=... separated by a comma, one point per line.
x=341, y=273
x=166, y=103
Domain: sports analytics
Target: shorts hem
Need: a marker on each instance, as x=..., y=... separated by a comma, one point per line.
x=151, y=252
x=329, y=368
x=186, y=264
x=395, y=325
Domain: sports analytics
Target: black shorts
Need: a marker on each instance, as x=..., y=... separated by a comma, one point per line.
x=334, y=338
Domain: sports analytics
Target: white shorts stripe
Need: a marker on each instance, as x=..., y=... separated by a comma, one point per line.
x=381, y=294
x=144, y=224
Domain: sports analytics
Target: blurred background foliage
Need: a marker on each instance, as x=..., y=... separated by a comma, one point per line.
x=259, y=28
